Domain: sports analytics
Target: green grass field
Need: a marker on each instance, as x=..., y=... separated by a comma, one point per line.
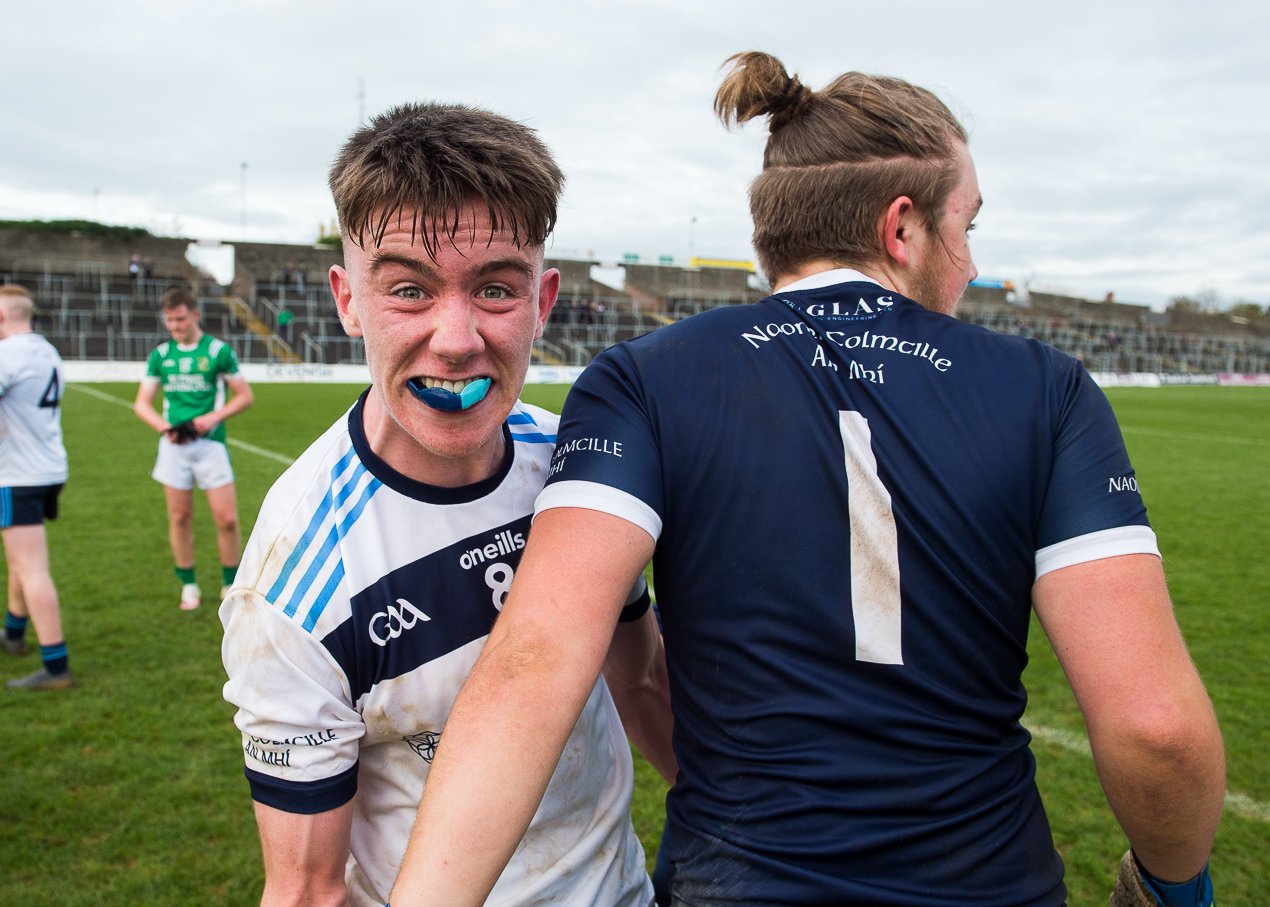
x=128, y=788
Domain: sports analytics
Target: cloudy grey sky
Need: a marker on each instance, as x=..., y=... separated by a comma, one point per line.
x=1122, y=145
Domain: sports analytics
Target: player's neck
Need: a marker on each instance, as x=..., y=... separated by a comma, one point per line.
x=821, y=265
x=12, y=330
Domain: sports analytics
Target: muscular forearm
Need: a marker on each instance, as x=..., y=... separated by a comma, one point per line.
x=480, y=798
x=235, y=405
x=1154, y=736
x=510, y=723
x=635, y=671
x=1165, y=781
x=646, y=717
x=304, y=856
x=303, y=892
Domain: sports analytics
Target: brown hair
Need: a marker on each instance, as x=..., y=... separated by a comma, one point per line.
x=436, y=158
x=836, y=158
x=177, y=297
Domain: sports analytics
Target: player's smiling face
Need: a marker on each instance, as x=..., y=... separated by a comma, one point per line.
x=469, y=316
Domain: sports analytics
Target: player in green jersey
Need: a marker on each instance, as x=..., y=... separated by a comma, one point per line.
x=193, y=369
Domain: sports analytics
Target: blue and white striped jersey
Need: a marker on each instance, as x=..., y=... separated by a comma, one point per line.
x=852, y=498
x=362, y=602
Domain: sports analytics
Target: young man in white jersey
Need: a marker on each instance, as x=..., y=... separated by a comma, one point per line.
x=193, y=369
x=380, y=560
x=32, y=472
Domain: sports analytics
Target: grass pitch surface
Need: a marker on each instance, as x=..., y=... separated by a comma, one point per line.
x=128, y=788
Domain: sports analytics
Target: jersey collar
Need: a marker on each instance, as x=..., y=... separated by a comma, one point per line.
x=412, y=488
x=826, y=279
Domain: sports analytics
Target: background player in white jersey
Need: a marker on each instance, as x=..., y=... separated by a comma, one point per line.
x=381, y=558
x=856, y=501
x=193, y=369
x=32, y=472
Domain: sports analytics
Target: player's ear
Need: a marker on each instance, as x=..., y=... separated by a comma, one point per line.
x=548, y=290
x=900, y=225
x=342, y=290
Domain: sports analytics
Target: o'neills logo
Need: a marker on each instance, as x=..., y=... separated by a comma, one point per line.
x=505, y=542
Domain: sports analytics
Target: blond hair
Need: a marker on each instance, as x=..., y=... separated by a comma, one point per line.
x=17, y=302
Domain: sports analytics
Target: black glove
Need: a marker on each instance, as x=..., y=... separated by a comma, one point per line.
x=183, y=432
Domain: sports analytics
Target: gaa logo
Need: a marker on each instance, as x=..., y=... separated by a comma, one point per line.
x=391, y=623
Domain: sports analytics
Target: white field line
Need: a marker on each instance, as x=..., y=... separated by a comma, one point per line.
x=1216, y=439
x=1239, y=804
x=233, y=442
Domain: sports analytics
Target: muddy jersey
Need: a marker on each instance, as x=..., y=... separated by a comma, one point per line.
x=852, y=498
x=31, y=386
x=362, y=602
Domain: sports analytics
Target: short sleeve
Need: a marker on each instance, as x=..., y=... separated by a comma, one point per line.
x=227, y=360
x=153, y=362
x=300, y=733
x=1092, y=507
x=606, y=455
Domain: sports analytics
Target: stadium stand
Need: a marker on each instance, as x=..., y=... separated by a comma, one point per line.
x=98, y=290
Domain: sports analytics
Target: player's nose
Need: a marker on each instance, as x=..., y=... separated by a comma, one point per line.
x=455, y=331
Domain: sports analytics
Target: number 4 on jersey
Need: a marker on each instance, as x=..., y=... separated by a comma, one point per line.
x=52, y=394
x=875, y=557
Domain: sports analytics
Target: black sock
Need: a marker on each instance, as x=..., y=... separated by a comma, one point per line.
x=14, y=626
x=55, y=658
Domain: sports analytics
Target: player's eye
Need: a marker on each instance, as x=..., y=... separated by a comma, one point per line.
x=494, y=292
x=408, y=292
x=971, y=227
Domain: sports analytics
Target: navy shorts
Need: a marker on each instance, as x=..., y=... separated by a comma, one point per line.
x=28, y=505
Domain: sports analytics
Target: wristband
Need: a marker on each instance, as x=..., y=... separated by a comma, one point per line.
x=1194, y=892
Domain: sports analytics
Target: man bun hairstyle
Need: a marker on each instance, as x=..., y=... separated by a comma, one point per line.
x=434, y=159
x=766, y=90
x=836, y=158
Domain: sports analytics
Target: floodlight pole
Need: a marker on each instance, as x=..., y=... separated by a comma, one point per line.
x=242, y=190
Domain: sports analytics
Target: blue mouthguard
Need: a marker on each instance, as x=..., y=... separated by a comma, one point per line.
x=448, y=401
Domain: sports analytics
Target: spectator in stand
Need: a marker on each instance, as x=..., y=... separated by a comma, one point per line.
x=285, y=318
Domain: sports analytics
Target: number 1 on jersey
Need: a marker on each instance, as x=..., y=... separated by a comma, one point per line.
x=875, y=557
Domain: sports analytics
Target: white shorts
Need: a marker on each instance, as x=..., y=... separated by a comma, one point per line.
x=201, y=461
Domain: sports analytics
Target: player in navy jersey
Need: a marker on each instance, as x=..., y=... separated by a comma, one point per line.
x=381, y=558
x=853, y=503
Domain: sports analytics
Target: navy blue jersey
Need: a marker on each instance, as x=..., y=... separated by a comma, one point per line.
x=852, y=498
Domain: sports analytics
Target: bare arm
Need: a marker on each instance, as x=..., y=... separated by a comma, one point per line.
x=241, y=399
x=526, y=691
x=1154, y=736
x=304, y=856
x=143, y=406
x=635, y=671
